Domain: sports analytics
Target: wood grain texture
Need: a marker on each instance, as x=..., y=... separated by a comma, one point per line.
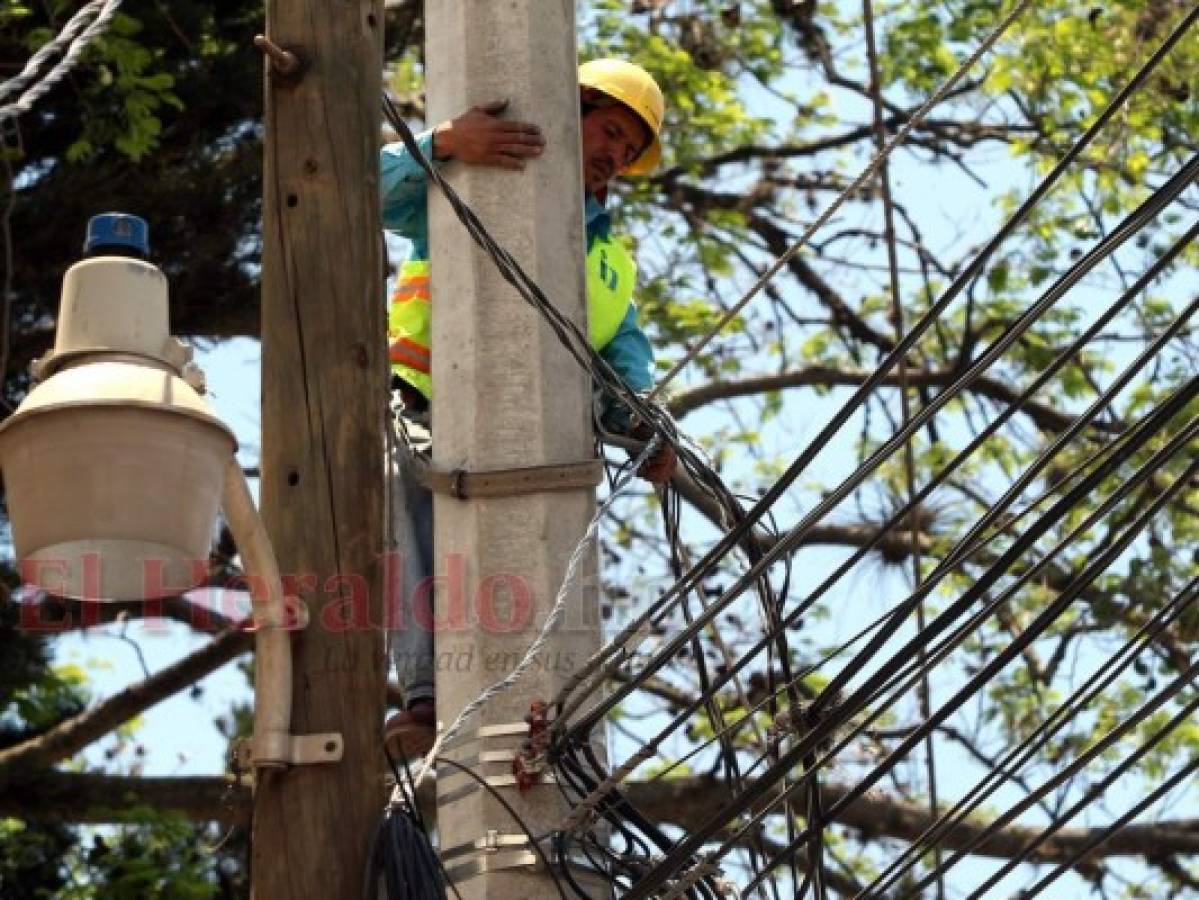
x=323, y=391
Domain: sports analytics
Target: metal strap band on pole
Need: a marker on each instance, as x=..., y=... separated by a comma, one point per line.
x=512, y=482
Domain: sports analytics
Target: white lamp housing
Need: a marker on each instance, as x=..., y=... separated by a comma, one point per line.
x=115, y=468
x=114, y=464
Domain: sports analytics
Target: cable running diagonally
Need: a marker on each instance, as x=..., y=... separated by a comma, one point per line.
x=100, y=13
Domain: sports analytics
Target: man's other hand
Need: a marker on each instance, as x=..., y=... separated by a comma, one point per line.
x=660, y=467
x=480, y=137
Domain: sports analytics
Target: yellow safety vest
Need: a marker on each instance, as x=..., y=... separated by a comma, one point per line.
x=611, y=274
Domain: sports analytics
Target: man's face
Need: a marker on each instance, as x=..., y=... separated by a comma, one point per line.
x=612, y=138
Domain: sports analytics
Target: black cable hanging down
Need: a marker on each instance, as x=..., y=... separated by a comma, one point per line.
x=402, y=861
x=728, y=760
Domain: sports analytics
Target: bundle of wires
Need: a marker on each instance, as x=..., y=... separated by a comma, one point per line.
x=402, y=861
x=1013, y=542
x=832, y=715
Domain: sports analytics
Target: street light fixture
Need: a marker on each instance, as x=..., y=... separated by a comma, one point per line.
x=115, y=467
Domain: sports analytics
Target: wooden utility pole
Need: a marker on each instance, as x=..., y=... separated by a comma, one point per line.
x=506, y=396
x=323, y=401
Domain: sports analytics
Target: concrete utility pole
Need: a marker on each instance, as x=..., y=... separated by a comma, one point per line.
x=323, y=399
x=506, y=396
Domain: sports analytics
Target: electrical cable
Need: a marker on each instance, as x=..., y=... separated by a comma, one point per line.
x=401, y=855
x=924, y=689
x=568, y=739
x=529, y=659
x=567, y=331
x=857, y=184
x=1046, y=617
x=823, y=726
x=1120, y=382
x=636, y=627
x=833, y=497
x=1101, y=787
x=101, y=14
x=534, y=843
x=1017, y=757
x=728, y=756
x=1133, y=368
x=1148, y=800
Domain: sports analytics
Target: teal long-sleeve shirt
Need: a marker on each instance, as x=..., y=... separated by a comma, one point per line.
x=403, y=195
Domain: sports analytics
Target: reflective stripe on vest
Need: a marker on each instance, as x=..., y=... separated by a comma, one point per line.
x=611, y=274
x=408, y=327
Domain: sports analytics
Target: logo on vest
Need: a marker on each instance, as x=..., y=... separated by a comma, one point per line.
x=607, y=273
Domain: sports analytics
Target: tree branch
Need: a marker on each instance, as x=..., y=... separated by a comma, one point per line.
x=72, y=735
x=895, y=545
x=57, y=614
x=688, y=802
x=749, y=152
x=69, y=798
x=1043, y=415
x=779, y=242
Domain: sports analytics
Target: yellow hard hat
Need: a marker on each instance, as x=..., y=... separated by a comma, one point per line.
x=635, y=88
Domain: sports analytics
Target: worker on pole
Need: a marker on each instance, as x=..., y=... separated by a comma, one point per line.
x=622, y=111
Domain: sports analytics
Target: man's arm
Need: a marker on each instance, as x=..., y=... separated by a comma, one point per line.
x=632, y=356
x=630, y=353
x=477, y=137
x=403, y=188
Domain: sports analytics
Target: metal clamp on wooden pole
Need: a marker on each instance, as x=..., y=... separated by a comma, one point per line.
x=273, y=744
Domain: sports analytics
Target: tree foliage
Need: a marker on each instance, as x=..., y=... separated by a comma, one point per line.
x=161, y=119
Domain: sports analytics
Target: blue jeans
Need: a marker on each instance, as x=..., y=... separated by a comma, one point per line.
x=411, y=514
